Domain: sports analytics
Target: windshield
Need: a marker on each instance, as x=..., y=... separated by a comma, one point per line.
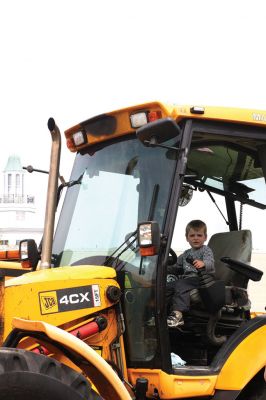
x=117, y=186
x=114, y=191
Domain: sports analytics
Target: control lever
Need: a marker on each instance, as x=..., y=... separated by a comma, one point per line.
x=205, y=279
x=213, y=296
x=190, y=260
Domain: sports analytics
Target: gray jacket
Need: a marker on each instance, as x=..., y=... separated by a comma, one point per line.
x=204, y=253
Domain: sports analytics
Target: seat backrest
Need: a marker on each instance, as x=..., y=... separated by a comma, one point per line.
x=236, y=245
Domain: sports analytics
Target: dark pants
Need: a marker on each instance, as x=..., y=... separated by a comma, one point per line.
x=178, y=293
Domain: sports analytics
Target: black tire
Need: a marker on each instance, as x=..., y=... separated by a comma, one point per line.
x=255, y=389
x=25, y=375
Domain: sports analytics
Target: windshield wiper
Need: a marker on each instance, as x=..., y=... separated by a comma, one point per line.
x=128, y=243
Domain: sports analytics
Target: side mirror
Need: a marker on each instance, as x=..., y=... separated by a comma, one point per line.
x=158, y=131
x=28, y=253
x=148, y=238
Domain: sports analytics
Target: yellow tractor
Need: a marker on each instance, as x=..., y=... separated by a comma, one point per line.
x=87, y=318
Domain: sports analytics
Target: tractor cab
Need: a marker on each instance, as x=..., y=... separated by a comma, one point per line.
x=134, y=171
x=224, y=162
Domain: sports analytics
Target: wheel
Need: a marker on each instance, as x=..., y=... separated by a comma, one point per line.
x=25, y=375
x=255, y=389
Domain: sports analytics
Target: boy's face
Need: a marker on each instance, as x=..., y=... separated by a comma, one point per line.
x=196, y=238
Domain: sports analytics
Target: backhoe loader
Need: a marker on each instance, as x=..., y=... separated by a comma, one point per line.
x=87, y=317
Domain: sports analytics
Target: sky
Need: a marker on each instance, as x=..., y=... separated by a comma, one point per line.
x=72, y=60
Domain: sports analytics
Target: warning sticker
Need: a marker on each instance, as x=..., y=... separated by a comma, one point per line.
x=70, y=299
x=98, y=349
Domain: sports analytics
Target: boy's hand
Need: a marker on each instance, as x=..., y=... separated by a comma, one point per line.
x=198, y=264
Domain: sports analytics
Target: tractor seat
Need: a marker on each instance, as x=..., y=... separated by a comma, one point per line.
x=228, y=247
x=234, y=245
x=226, y=298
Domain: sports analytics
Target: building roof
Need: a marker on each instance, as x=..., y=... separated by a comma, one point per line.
x=13, y=163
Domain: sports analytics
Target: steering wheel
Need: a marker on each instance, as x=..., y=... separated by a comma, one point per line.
x=172, y=258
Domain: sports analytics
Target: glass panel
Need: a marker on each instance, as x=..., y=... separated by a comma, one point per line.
x=229, y=168
x=112, y=191
x=114, y=194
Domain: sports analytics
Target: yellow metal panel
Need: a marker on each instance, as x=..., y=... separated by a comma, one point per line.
x=175, y=386
x=77, y=272
x=10, y=265
x=238, y=115
x=244, y=362
x=57, y=295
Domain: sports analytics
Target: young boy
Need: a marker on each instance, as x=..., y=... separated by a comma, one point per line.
x=197, y=257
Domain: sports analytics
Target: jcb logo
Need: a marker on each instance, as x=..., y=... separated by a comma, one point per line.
x=48, y=302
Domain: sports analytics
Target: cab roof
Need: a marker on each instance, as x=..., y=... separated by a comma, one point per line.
x=119, y=122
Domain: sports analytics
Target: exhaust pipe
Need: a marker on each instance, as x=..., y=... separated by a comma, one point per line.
x=48, y=232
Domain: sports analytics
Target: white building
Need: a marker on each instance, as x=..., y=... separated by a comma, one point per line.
x=18, y=219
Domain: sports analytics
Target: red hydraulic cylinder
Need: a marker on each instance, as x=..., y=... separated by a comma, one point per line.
x=82, y=332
